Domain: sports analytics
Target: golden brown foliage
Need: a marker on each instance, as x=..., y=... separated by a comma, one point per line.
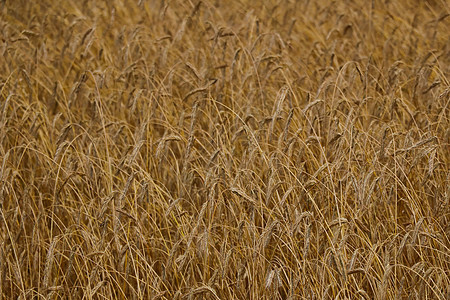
x=224, y=149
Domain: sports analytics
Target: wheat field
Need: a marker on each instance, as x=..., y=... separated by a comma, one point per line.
x=224, y=149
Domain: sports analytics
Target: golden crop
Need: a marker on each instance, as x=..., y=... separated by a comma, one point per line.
x=224, y=149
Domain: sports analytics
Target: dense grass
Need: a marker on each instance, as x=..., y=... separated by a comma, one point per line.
x=224, y=149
